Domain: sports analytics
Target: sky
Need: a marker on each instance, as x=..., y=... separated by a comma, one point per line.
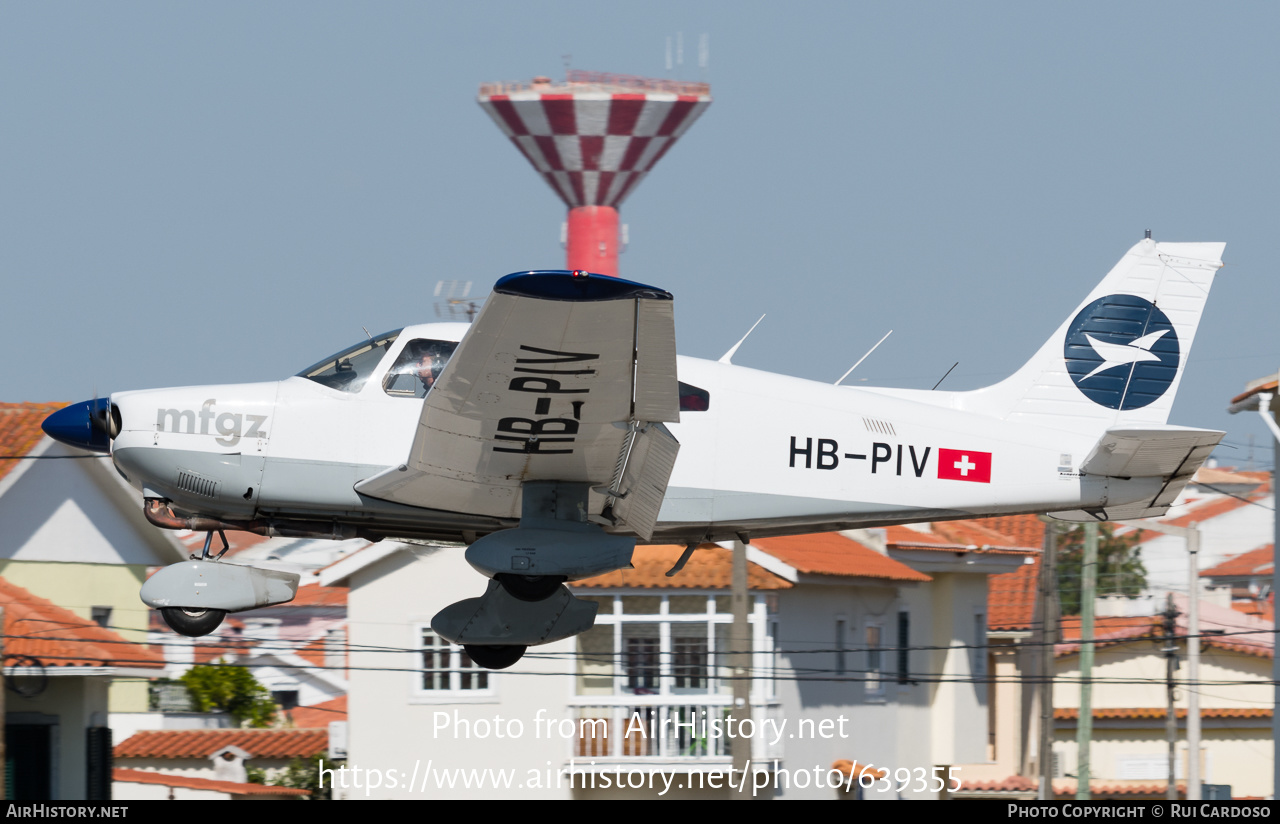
x=201, y=193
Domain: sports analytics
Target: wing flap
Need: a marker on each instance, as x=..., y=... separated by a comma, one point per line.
x=641, y=478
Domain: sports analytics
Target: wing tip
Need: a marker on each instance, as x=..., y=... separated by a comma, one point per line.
x=562, y=284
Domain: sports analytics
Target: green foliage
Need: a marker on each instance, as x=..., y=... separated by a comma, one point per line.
x=1120, y=567
x=232, y=690
x=301, y=774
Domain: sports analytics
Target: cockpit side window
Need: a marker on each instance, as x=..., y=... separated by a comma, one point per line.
x=418, y=367
x=348, y=370
x=693, y=399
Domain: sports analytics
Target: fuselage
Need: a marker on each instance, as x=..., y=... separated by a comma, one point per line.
x=761, y=453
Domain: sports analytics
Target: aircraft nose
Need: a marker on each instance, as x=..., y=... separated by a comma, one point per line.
x=84, y=425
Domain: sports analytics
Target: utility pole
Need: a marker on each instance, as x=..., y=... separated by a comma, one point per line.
x=1046, y=637
x=1171, y=720
x=740, y=664
x=1260, y=397
x=3, y=689
x=1084, y=726
x=1192, y=535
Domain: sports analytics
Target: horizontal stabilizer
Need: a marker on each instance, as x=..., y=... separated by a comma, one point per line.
x=1173, y=453
x=1162, y=452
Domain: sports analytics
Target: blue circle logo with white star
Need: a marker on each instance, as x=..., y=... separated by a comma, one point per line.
x=1122, y=352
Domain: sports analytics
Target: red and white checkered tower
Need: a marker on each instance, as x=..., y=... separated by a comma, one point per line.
x=593, y=138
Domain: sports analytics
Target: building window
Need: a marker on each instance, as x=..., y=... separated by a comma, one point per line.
x=841, y=667
x=689, y=667
x=643, y=667
x=904, y=646
x=447, y=667
x=675, y=645
x=101, y=616
x=978, y=652
x=874, y=663
x=285, y=699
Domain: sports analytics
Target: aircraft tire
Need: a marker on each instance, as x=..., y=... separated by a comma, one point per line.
x=192, y=622
x=495, y=656
x=531, y=588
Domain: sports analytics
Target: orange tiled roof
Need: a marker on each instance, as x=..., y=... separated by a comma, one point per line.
x=956, y=536
x=1210, y=475
x=1201, y=511
x=315, y=595
x=20, y=430
x=830, y=553
x=1025, y=530
x=1160, y=713
x=1260, y=386
x=57, y=637
x=1012, y=784
x=1242, y=633
x=1011, y=598
x=126, y=776
x=204, y=743
x=847, y=767
x=1255, y=562
x=1266, y=610
x=318, y=716
x=711, y=567
x=314, y=651
x=1067, y=789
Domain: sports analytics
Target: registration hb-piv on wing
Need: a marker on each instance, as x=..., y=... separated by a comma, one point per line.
x=561, y=428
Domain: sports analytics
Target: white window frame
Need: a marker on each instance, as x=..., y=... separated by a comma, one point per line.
x=612, y=615
x=456, y=693
x=874, y=678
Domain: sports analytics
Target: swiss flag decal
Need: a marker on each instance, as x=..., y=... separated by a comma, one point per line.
x=964, y=465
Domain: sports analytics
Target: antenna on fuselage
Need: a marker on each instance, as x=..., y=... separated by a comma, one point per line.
x=728, y=356
x=864, y=357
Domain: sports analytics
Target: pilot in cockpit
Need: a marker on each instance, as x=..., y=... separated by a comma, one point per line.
x=418, y=368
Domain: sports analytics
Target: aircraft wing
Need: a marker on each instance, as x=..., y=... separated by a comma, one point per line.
x=563, y=377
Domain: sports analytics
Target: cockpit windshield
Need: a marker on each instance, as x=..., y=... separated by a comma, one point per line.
x=348, y=370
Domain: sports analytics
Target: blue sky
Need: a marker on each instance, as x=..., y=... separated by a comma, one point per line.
x=201, y=193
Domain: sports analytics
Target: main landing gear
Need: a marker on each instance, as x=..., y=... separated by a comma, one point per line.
x=195, y=595
x=495, y=656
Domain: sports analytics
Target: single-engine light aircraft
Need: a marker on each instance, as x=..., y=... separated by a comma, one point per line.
x=545, y=436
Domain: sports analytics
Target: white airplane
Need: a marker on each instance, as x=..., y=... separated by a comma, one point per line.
x=545, y=436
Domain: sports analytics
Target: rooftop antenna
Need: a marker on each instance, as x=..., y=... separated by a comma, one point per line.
x=704, y=54
x=453, y=301
x=864, y=357
x=567, y=60
x=728, y=356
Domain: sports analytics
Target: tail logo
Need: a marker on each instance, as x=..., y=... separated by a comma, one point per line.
x=1122, y=352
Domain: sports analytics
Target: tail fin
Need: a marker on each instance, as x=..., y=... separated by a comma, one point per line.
x=1118, y=358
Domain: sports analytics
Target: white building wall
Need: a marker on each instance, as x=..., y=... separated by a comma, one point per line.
x=1242, y=529
x=404, y=735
